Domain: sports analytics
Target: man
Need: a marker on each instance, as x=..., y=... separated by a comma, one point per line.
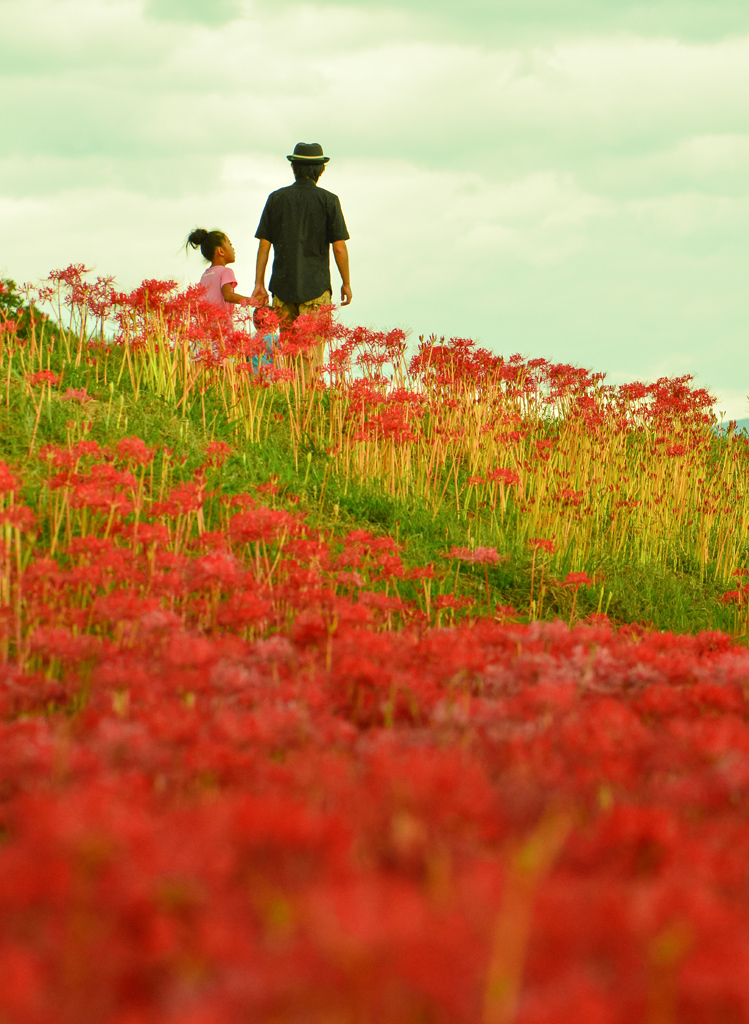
x=301, y=222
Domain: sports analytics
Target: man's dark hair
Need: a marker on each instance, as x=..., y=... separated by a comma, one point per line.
x=305, y=170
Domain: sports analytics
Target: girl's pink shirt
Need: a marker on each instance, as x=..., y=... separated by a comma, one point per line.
x=213, y=280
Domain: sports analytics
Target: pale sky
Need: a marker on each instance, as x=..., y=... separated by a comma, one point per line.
x=561, y=178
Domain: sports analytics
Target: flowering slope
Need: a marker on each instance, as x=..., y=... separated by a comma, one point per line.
x=240, y=780
x=258, y=766
x=456, y=445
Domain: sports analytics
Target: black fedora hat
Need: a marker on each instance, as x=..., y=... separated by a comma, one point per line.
x=308, y=153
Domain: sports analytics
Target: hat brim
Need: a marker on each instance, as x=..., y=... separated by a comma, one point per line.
x=295, y=159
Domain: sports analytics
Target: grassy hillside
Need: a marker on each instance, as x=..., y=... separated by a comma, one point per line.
x=459, y=450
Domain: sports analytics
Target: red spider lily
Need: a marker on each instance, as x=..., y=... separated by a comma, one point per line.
x=369, y=542
x=218, y=452
x=577, y=579
x=100, y=297
x=81, y=448
x=478, y=556
x=262, y=524
x=216, y=567
x=133, y=449
x=72, y=275
x=270, y=486
x=183, y=498
x=19, y=516
x=541, y=544
x=43, y=377
x=101, y=487
x=426, y=572
x=9, y=482
x=244, y=609
x=450, y=601
x=506, y=476
x=57, y=642
x=569, y=497
x=76, y=395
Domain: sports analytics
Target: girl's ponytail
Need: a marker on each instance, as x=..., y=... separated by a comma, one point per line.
x=206, y=241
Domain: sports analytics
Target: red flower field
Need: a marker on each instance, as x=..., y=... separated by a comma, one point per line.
x=257, y=766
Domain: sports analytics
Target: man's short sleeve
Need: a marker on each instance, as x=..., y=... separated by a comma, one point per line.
x=264, y=229
x=337, y=230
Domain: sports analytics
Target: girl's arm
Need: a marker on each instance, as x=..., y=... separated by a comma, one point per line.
x=230, y=295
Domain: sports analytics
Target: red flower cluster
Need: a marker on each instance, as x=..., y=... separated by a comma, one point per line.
x=482, y=556
x=43, y=377
x=239, y=780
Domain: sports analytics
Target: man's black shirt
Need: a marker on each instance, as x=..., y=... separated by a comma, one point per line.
x=302, y=221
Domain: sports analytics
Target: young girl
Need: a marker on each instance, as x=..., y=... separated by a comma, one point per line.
x=218, y=281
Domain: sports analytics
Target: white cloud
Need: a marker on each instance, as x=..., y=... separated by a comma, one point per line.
x=586, y=199
x=217, y=12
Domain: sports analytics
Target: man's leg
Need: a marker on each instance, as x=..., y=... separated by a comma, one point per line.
x=316, y=356
x=287, y=314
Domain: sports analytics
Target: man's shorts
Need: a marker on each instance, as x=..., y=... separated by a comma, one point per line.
x=291, y=310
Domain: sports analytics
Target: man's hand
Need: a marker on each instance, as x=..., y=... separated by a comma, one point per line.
x=260, y=296
x=340, y=253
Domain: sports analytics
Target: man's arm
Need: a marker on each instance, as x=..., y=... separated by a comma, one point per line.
x=340, y=252
x=260, y=295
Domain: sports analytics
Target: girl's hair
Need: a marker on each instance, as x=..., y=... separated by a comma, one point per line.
x=206, y=241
